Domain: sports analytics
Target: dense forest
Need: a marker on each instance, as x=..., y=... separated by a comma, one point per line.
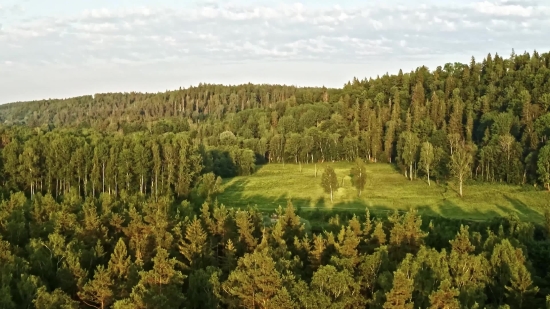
x=494, y=115
x=108, y=201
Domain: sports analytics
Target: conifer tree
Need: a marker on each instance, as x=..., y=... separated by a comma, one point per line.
x=336, y=289
x=400, y=296
x=254, y=283
x=98, y=292
x=444, y=297
x=159, y=287
x=317, y=252
x=55, y=299
x=119, y=267
x=245, y=227
x=194, y=247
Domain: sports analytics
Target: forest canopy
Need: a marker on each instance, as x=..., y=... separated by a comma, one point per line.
x=109, y=201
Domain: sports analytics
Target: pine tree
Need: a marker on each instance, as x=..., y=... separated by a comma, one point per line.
x=445, y=297
x=254, y=283
x=379, y=236
x=159, y=287
x=245, y=227
x=98, y=292
x=335, y=289
x=55, y=299
x=400, y=296
x=317, y=252
x=195, y=247
x=119, y=267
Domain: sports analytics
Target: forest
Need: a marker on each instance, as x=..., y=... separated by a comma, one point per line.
x=109, y=201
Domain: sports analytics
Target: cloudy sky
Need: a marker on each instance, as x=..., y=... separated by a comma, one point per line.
x=63, y=48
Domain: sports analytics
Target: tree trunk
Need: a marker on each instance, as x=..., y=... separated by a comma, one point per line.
x=331, y=194
x=85, y=184
x=103, y=169
x=315, y=169
x=460, y=189
x=428, y=170
x=411, y=171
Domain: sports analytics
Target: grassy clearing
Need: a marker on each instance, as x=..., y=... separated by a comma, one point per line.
x=273, y=184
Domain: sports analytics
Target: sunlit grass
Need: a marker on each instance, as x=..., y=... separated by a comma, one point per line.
x=273, y=184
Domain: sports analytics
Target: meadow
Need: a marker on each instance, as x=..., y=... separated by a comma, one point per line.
x=386, y=190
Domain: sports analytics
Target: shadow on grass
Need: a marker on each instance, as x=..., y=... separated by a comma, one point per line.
x=322, y=208
x=236, y=196
x=524, y=211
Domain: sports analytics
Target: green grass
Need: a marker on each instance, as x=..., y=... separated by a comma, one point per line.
x=386, y=190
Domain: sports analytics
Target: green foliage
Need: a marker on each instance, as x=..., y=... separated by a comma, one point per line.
x=329, y=181
x=210, y=185
x=56, y=300
x=101, y=195
x=255, y=282
x=217, y=261
x=543, y=165
x=359, y=175
x=461, y=165
x=427, y=158
x=400, y=295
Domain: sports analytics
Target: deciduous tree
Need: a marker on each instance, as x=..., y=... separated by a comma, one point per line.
x=329, y=181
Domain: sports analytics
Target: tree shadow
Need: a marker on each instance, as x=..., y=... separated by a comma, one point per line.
x=524, y=211
x=319, y=210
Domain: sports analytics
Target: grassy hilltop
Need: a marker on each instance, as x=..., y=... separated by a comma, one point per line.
x=273, y=184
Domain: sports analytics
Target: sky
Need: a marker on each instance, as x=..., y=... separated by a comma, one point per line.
x=65, y=48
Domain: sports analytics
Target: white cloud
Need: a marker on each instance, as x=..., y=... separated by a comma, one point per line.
x=503, y=9
x=219, y=33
